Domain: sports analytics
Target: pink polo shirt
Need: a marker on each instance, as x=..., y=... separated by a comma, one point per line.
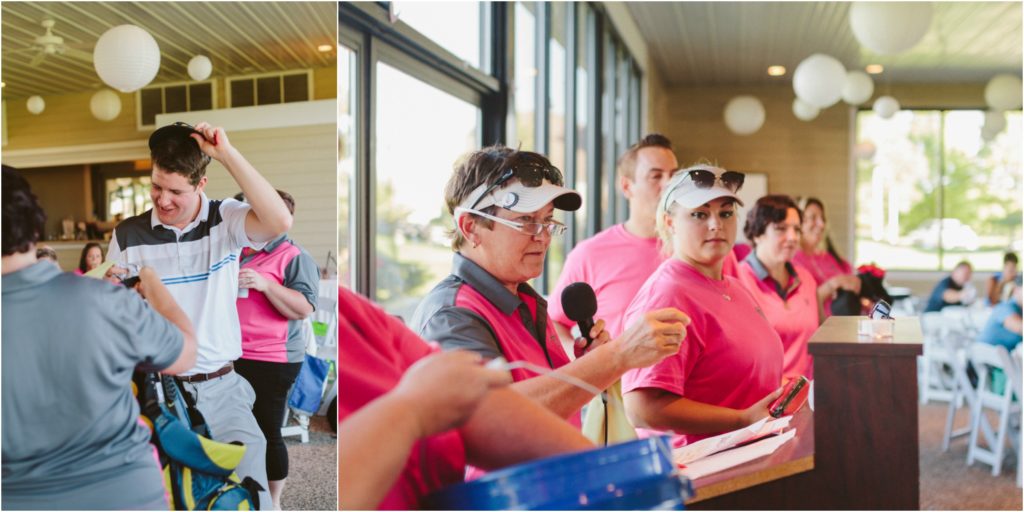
x=731, y=356
x=615, y=264
x=374, y=350
x=264, y=328
x=823, y=267
x=794, y=318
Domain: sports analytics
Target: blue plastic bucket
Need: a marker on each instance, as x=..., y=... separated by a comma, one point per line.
x=637, y=475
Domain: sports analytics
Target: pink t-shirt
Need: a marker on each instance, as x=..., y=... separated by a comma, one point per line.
x=794, y=318
x=264, y=328
x=374, y=350
x=823, y=267
x=615, y=264
x=731, y=356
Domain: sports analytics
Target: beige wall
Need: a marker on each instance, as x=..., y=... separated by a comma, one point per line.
x=800, y=158
x=61, y=192
x=67, y=120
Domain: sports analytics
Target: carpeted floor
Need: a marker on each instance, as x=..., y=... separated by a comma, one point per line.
x=312, y=470
x=947, y=482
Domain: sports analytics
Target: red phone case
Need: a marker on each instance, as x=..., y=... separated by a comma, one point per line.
x=793, y=397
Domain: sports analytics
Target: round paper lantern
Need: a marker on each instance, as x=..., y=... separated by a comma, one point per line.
x=886, y=106
x=995, y=121
x=105, y=105
x=988, y=134
x=857, y=88
x=744, y=115
x=865, y=150
x=200, y=67
x=126, y=58
x=803, y=111
x=1003, y=92
x=889, y=28
x=35, y=105
x=818, y=80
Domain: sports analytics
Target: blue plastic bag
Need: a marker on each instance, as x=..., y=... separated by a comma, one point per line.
x=309, y=385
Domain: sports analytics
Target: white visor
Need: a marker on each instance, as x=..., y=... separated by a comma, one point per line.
x=521, y=198
x=686, y=192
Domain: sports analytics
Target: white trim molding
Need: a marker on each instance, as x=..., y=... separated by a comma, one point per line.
x=74, y=155
x=283, y=115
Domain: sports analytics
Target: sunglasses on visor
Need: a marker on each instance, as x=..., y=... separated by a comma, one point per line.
x=703, y=178
x=529, y=174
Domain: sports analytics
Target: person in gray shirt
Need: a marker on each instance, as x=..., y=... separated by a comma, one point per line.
x=71, y=436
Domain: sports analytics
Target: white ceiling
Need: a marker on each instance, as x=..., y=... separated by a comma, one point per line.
x=239, y=37
x=724, y=43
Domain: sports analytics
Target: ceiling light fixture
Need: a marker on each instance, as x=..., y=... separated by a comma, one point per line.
x=324, y=48
x=776, y=70
x=874, y=69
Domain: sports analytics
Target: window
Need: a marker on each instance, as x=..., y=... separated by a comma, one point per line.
x=127, y=197
x=584, y=130
x=456, y=26
x=557, y=46
x=931, y=192
x=270, y=89
x=421, y=131
x=346, y=158
x=171, y=98
x=525, y=75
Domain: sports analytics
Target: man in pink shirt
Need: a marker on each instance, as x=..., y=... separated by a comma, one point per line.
x=409, y=420
x=617, y=261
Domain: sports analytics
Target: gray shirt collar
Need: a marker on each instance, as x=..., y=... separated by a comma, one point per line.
x=30, y=276
x=482, y=281
x=762, y=273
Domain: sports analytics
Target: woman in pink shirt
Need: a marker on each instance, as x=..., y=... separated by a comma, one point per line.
x=785, y=291
x=730, y=366
x=92, y=256
x=819, y=256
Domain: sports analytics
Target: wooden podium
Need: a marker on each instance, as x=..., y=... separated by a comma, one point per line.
x=865, y=431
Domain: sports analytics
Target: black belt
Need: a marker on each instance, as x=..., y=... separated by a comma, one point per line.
x=202, y=377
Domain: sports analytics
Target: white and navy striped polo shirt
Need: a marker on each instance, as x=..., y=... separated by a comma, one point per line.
x=199, y=266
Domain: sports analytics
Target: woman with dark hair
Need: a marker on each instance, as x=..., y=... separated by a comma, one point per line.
x=92, y=256
x=786, y=292
x=818, y=255
x=97, y=456
x=730, y=367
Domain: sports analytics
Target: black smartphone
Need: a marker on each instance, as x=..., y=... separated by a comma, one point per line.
x=130, y=282
x=882, y=310
x=788, y=402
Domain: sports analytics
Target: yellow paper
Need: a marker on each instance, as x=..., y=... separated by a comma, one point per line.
x=101, y=271
x=620, y=429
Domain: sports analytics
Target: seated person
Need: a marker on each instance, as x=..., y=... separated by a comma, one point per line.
x=730, y=367
x=1004, y=323
x=953, y=290
x=406, y=431
x=1001, y=283
x=91, y=257
x=784, y=290
x=72, y=438
x=46, y=253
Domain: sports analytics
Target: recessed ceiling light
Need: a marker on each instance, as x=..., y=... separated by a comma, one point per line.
x=324, y=48
x=776, y=70
x=874, y=69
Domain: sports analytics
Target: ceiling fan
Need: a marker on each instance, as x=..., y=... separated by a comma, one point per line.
x=50, y=44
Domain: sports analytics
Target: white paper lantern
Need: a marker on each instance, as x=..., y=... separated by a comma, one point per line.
x=744, y=115
x=200, y=67
x=886, y=106
x=818, y=80
x=35, y=105
x=987, y=134
x=1003, y=92
x=889, y=28
x=803, y=111
x=105, y=105
x=865, y=150
x=126, y=58
x=995, y=121
x=857, y=88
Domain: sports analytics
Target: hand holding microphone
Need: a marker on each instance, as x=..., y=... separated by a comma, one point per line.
x=580, y=304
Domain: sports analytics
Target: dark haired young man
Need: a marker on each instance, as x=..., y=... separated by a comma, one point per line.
x=193, y=243
x=70, y=344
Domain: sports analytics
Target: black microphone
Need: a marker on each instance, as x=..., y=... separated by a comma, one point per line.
x=580, y=305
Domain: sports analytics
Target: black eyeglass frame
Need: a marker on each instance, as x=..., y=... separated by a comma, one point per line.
x=706, y=184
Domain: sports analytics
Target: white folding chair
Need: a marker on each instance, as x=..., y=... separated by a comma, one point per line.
x=942, y=336
x=986, y=358
x=963, y=394
x=1015, y=380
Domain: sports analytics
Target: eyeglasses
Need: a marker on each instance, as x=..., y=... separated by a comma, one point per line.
x=704, y=179
x=529, y=174
x=526, y=228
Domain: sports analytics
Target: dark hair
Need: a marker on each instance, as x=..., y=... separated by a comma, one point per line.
x=180, y=154
x=289, y=201
x=485, y=167
x=626, y=166
x=23, y=219
x=1008, y=257
x=829, y=246
x=766, y=211
x=85, y=252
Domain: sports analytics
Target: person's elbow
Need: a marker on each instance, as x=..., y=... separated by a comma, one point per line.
x=641, y=409
x=299, y=313
x=187, y=358
x=279, y=223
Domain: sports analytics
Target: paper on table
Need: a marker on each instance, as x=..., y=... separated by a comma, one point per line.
x=727, y=459
x=100, y=271
x=711, y=445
